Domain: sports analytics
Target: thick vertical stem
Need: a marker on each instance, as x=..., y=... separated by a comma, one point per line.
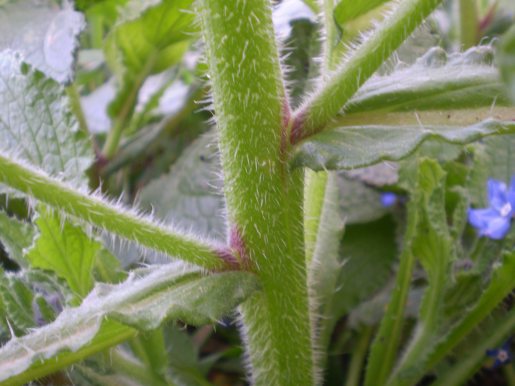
x=264, y=197
x=469, y=23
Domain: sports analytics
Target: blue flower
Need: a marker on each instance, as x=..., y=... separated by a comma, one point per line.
x=501, y=355
x=494, y=221
x=388, y=199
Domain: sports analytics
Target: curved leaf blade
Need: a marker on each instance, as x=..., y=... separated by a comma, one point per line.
x=189, y=195
x=358, y=146
x=144, y=300
x=65, y=249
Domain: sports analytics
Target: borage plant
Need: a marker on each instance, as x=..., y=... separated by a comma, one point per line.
x=396, y=297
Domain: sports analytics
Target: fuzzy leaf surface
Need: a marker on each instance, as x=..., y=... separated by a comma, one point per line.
x=15, y=236
x=190, y=194
x=45, y=35
x=436, y=81
x=147, y=298
x=36, y=122
x=16, y=301
x=433, y=248
x=351, y=147
x=65, y=249
x=368, y=252
x=500, y=286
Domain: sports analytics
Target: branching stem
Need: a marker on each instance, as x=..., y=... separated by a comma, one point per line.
x=314, y=115
x=112, y=218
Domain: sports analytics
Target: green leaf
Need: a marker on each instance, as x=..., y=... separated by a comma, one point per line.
x=348, y=10
x=16, y=298
x=65, y=249
x=499, y=162
x=352, y=147
x=435, y=81
x=501, y=284
x=433, y=247
x=190, y=194
x=359, y=203
x=151, y=37
x=36, y=123
x=313, y=5
x=45, y=35
x=147, y=298
x=368, y=252
x=324, y=263
x=110, y=334
x=492, y=335
x=15, y=236
x=424, y=189
x=506, y=61
x=299, y=50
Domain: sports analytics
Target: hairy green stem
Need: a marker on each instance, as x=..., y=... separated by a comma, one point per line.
x=469, y=23
x=112, y=218
x=358, y=357
x=73, y=95
x=263, y=195
x=122, y=118
x=323, y=105
x=330, y=40
x=386, y=343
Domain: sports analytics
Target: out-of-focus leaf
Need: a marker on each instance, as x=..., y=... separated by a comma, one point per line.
x=368, y=252
x=16, y=299
x=299, y=50
x=501, y=284
x=506, y=60
x=144, y=300
x=65, y=249
x=352, y=147
x=45, y=35
x=151, y=37
x=190, y=194
x=358, y=202
x=313, y=5
x=184, y=358
x=348, y=10
x=433, y=247
x=36, y=123
x=15, y=236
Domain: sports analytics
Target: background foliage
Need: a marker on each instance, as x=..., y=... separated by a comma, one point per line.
x=112, y=96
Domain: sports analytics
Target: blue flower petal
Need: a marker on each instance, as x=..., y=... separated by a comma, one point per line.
x=511, y=194
x=480, y=218
x=388, y=199
x=497, y=228
x=497, y=194
x=489, y=222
